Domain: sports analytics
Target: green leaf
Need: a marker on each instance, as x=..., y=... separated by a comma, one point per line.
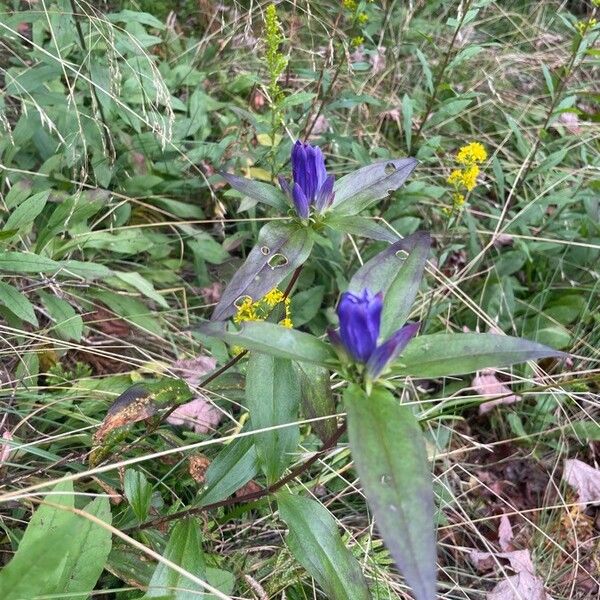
x=17, y=303
x=397, y=272
x=281, y=248
x=316, y=544
x=257, y=190
x=138, y=492
x=25, y=262
x=60, y=552
x=26, y=212
x=362, y=188
x=232, y=468
x=403, y=290
x=69, y=324
x=272, y=399
x=442, y=354
x=317, y=398
x=305, y=305
x=143, y=286
x=130, y=309
x=184, y=548
x=272, y=339
x=391, y=460
x=88, y=550
x=361, y=226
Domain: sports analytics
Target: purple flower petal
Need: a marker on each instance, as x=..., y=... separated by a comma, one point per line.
x=285, y=186
x=301, y=202
x=325, y=194
x=360, y=320
x=390, y=349
x=299, y=164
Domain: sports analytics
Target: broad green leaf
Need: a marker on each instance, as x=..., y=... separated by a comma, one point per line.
x=397, y=272
x=315, y=542
x=184, y=548
x=403, y=290
x=362, y=226
x=232, y=468
x=138, y=492
x=257, y=190
x=317, y=398
x=17, y=303
x=305, y=305
x=25, y=262
x=24, y=215
x=362, y=188
x=272, y=339
x=442, y=354
x=60, y=552
x=87, y=270
x=281, y=248
x=88, y=550
x=391, y=460
x=272, y=399
x=68, y=323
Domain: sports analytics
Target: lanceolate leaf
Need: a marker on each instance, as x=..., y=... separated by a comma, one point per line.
x=363, y=227
x=315, y=542
x=233, y=467
x=391, y=459
x=17, y=303
x=273, y=398
x=443, y=354
x=257, y=190
x=402, y=292
x=317, y=398
x=61, y=552
x=280, y=249
x=380, y=273
x=359, y=190
x=185, y=550
x=272, y=339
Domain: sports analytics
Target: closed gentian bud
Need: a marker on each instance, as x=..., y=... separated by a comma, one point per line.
x=360, y=323
x=360, y=320
x=311, y=184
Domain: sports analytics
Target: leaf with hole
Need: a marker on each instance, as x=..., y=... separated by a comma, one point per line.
x=281, y=248
x=360, y=189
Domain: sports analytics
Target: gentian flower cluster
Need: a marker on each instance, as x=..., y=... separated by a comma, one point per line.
x=311, y=186
x=360, y=325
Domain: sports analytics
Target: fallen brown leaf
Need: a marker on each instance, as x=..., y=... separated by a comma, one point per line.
x=585, y=480
x=487, y=384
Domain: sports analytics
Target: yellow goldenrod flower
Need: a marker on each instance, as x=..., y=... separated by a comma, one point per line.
x=469, y=177
x=458, y=200
x=363, y=18
x=584, y=26
x=471, y=154
x=248, y=310
x=349, y=4
x=357, y=40
x=273, y=297
x=455, y=177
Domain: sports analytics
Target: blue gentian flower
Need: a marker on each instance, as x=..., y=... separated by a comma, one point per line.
x=360, y=324
x=311, y=184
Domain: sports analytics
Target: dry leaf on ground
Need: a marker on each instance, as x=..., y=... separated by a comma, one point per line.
x=487, y=384
x=585, y=480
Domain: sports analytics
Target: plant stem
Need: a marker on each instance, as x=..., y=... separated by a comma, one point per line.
x=253, y=496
